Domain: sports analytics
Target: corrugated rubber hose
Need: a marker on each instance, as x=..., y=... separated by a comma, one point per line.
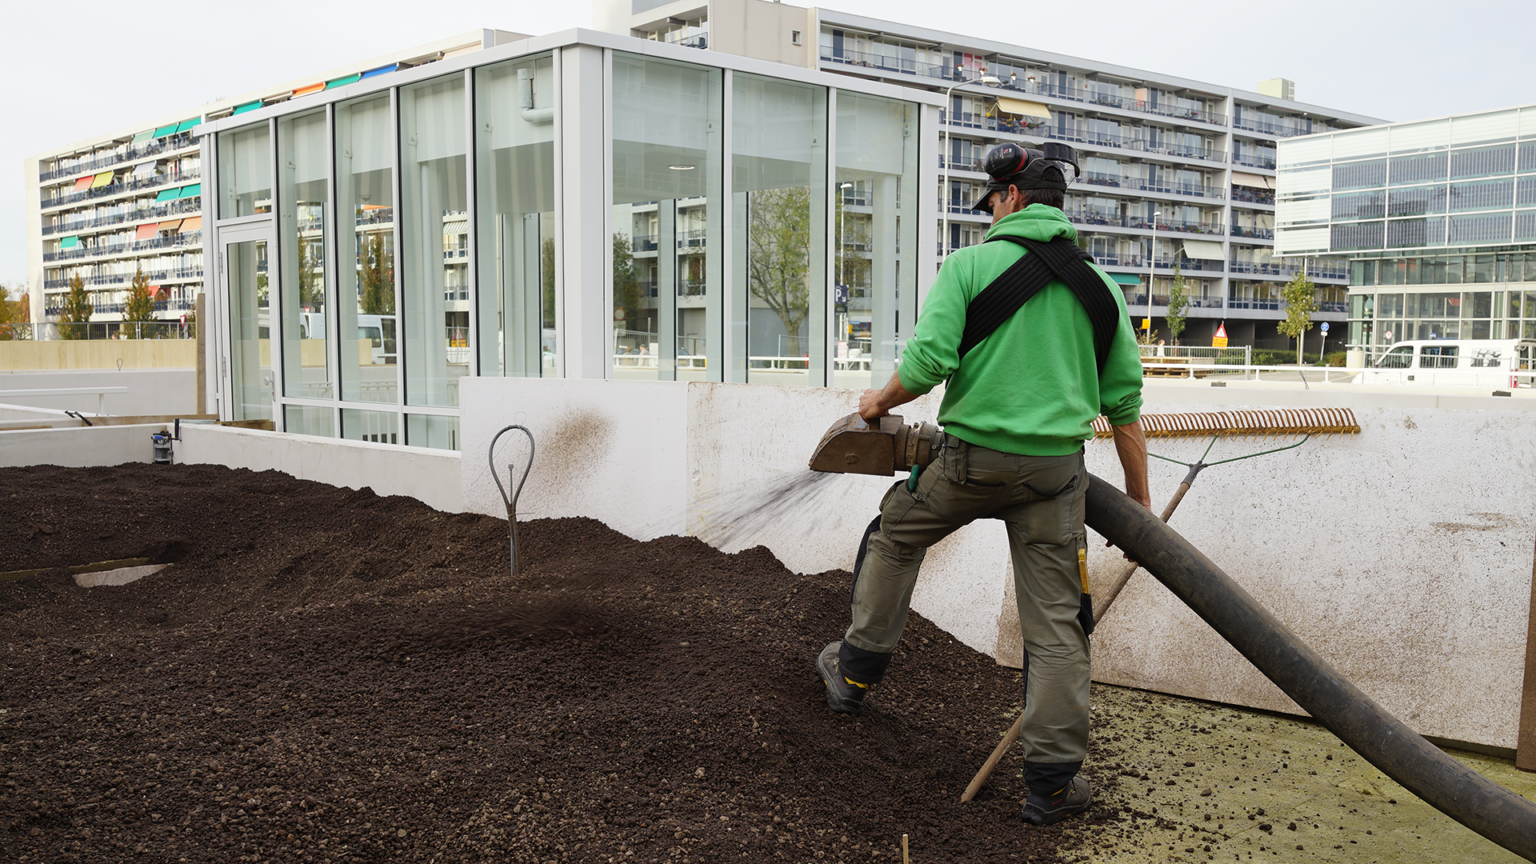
x=1423, y=769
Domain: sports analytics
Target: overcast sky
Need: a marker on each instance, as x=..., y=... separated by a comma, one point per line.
x=96, y=69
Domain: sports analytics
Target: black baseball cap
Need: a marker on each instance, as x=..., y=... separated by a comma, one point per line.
x=1053, y=166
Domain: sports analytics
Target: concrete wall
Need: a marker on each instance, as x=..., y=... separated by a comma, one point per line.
x=77, y=448
x=1410, y=570
x=430, y=476
x=755, y=28
x=98, y=354
x=150, y=391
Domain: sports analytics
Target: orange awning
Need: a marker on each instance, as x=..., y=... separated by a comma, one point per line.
x=153, y=290
x=146, y=232
x=169, y=225
x=192, y=223
x=305, y=91
x=84, y=182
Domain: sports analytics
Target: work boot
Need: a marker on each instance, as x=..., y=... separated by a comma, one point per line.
x=843, y=696
x=1050, y=809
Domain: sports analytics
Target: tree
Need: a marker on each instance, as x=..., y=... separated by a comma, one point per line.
x=779, y=254
x=377, y=294
x=12, y=312
x=1178, y=304
x=1300, y=298
x=547, y=269
x=140, y=307
x=75, y=314
x=311, y=289
x=627, y=296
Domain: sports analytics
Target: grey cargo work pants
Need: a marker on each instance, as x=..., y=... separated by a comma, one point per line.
x=1040, y=499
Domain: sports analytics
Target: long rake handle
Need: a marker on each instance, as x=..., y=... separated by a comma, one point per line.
x=1099, y=609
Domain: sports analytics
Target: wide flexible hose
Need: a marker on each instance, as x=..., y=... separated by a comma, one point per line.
x=1423, y=769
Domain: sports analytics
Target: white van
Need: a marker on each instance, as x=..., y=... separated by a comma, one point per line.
x=1495, y=363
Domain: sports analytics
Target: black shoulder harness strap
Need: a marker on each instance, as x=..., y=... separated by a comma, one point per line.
x=1058, y=259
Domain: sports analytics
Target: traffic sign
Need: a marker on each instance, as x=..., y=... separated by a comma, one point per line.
x=1325, y=326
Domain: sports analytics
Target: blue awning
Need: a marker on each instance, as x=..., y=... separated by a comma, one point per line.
x=382, y=70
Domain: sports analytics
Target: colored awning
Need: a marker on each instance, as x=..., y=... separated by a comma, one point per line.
x=189, y=124
x=169, y=225
x=69, y=243
x=1203, y=249
x=152, y=290
x=1022, y=107
x=382, y=70
x=143, y=136
x=102, y=179
x=1126, y=278
x=192, y=191
x=1257, y=181
x=167, y=195
x=143, y=168
x=305, y=91
x=191, y=223
x=248, y=106
x=166, y=130
x=146, y=232
x=84, y=182
x=342, y=81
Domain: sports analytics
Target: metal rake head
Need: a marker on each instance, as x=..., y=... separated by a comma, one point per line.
x=1263, y=425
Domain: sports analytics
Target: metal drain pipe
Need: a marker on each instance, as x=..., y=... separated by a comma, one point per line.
x=1422, y=768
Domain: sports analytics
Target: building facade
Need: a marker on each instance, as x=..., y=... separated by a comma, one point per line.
x=103, y=210
x=580, y=205
x=1435, y=219
x=1176, y=173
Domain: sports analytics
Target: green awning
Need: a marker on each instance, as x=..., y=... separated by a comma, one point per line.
x=342, y=82
x=143, y=136
x=192, y=191
x=188, y=124
x=1126, y=278
x=167, y=195
x=249, y=106
x=69, y=242
x=166, y=130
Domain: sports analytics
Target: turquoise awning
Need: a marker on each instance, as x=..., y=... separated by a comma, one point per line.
x=69, y=242
x=249, y=106
x=1126, y=278
x=188, y=124
x=143, y=136
x=166, y=130
x=167, y=195
x=382, y=70
x=342, y=82
x=192, y=191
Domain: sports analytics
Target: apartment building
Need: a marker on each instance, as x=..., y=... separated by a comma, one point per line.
x=1176, y=173
x=1435, y=219
x=132, y=200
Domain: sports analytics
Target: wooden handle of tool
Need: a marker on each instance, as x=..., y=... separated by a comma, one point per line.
x=1099, y=608
x=1009, y=737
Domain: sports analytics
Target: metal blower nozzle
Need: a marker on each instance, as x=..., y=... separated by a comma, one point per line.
x=885, y=447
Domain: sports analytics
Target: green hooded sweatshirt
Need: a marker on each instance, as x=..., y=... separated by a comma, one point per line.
x=1032, y=387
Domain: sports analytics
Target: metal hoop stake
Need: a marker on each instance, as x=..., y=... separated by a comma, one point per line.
x=511, y=502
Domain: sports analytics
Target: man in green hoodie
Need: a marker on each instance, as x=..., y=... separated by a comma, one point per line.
x=1017, y=410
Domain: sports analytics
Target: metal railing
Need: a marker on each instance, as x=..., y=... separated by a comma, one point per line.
x=141, y=214
x=124, y=278
x=132, y=183
x=170, y=143
x=172, y=241
x=1084, y=136
x=1279, y=130
x=1253, y=196
x=1237, y=355
x=1139, y=184
x=1254, y=160
x=97, y=331
x=1251, y=303
x=1254, y=233
x=1107, y=220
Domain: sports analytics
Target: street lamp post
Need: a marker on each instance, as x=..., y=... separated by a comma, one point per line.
x=842, y=237
x=1152, y=272
x=990, y=81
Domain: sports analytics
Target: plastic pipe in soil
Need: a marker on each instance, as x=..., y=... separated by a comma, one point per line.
x=1423, y=769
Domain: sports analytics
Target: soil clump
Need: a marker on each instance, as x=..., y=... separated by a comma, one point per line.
x=323, y=674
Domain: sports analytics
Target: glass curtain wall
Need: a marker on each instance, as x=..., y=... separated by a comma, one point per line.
x=515, y=217
x=250, y=345
x=434, y=191
x=876, y=231
x=779, y=196
x=666, y=220
x=303, y=166
x=365, y=281
x=245, y=172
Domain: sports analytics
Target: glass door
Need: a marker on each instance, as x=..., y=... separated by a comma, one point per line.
x=246, y=284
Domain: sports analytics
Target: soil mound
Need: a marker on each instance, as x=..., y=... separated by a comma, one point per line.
x=325, y=674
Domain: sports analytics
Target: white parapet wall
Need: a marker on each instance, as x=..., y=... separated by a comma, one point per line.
x=83, y=447
x=150, y=392
x=1402, y=555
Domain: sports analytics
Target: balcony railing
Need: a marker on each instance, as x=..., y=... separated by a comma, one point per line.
x=154, y=276
x=117, y=308
x=173, y=241
x=1253, y=196
x=131, y=184
x=1092, y=218
x=142, y=214
x=168, y=144
x=376, y=216
x=1254, y=160
x=1266, y=127
x=1139, y=184
x=1250, y=303
x=1254, y=233
x=1277, y=268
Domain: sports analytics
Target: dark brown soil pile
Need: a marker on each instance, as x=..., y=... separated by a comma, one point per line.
x=323, y=674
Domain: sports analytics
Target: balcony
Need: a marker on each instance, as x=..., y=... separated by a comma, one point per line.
x=1272, y=305
x=1253, y=196
x=1254, y=160
x=1253, y=233
x=1139, y=184
x=57, y=309
x=173, y=241
x=168, y=144
x=1267, y=127
x=1083, y=136
x=133, y=184
x=1114, y=221
x=142, y=214
x=154, y=277
x=1280, y=268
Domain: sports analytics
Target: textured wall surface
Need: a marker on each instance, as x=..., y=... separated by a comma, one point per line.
x=151, y=392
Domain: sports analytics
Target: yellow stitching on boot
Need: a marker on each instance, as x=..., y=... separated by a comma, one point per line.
x=855, y=683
